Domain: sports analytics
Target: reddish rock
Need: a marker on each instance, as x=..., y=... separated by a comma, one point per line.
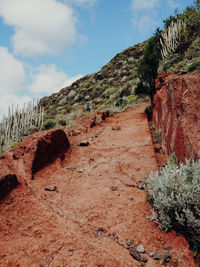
x=32, y=154
x=176, y=111
x=84, y=123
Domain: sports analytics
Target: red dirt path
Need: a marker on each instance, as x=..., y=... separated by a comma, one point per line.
x=95, y=206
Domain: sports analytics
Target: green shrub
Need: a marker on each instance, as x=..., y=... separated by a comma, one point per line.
x=62, y=122
x=49, y=124
x=147, y=67
x=131, y=98
x=132, y=77
x=175, y=195
x=142, y=88
x=192, y=19
x=195, y=64
x=194, y=50
x=157, y=138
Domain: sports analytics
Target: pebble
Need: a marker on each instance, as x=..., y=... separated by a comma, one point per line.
x=151, y=254
x=140, y=249
x=15, y=157
x=162, y=256
x=129, y=242
x=141, y=185
x=50, y=188
x=121, y=244
x=114, y=188
x=100, y=229
x=83, y=143
x=135, y=254
x=143, y=259
x=130, y=198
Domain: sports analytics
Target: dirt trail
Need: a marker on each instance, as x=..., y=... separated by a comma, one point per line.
x=96, y=207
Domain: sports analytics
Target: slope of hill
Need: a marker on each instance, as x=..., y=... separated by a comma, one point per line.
x=112, y=87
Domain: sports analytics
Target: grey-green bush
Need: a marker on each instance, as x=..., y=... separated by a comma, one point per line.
x=175, y=195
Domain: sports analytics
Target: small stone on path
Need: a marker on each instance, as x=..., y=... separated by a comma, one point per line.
x=114, y=188
x=162, y=256
x=140, y=249
x=141, y=185
x=83, y=143
x=135, y=254
x=143, y=259
x=129, y=242
x=50, y=188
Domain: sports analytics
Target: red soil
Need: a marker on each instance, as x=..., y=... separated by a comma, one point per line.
x=96, y=206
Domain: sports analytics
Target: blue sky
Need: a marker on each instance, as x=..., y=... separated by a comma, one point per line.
x=47, y=44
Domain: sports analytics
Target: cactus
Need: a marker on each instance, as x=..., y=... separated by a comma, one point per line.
x=170, y=38
x=19, y=124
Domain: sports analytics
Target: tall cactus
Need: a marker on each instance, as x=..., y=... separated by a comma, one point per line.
x=20, y=123
x=170, y=38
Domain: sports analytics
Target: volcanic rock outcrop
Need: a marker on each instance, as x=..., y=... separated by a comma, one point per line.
x=176, y=112
x=30, y=156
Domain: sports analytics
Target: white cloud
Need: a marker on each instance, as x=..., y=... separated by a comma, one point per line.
x=41, y=26
x=47, y=80
x=44, y=80
x=144, y=14
x=139, y=5
x=7, y=100
x=146, y=23
x=81, y=2
x=12, y=73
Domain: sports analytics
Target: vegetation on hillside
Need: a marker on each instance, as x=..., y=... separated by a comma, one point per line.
x=172, y=49
x=129, y=77
x=112, y=88
x=20, y=123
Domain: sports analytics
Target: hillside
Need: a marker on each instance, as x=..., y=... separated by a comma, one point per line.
x=112, y=87
x=131, y=73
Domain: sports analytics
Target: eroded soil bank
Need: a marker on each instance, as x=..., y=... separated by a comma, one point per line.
x=85, y=208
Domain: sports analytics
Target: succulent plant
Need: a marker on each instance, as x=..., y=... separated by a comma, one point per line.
x=170, y=38
x=20, y=123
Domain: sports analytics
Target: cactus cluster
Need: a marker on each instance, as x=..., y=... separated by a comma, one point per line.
x=170, y=38
x=20, y=123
